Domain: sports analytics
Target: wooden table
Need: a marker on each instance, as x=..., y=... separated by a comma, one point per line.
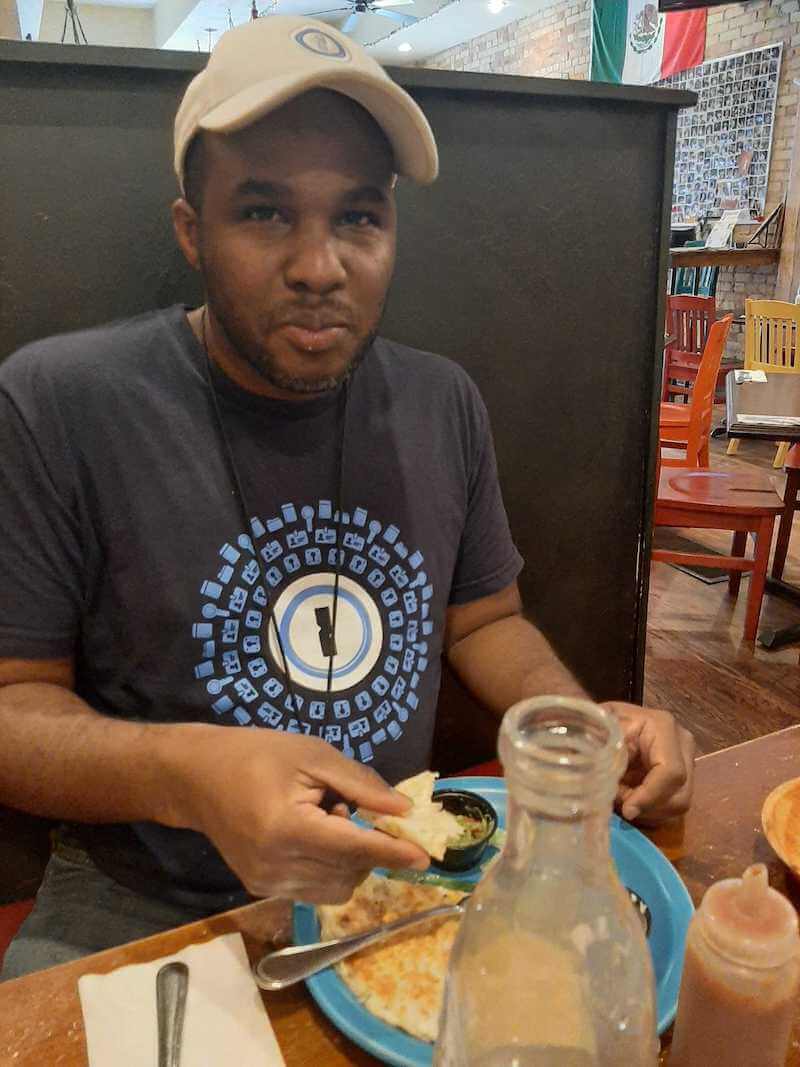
x=778, y=395
x=40, y=1016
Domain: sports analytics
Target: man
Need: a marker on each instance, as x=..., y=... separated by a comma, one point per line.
x=255, y=514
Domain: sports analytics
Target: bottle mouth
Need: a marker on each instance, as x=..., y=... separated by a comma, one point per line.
x=562, y=752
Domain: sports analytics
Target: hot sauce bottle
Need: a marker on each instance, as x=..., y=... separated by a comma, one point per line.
x=741, y=977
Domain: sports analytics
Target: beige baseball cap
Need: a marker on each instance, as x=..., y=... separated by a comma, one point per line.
x=256, y=67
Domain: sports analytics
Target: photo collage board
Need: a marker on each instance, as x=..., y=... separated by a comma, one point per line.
x=723, y=144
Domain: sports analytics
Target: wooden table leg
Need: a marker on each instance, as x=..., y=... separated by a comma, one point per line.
x=759, y=575
x=739, y=548
x=785, y=525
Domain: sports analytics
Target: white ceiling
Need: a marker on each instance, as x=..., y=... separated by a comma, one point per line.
x=451, y=24
x=116, y=3
x=442, y=23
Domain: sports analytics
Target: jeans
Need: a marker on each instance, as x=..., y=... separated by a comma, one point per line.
x=79, y=910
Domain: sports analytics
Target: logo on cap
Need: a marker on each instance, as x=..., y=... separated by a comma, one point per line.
x=321, y=44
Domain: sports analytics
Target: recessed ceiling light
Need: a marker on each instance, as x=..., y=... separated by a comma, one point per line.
x=496, y=6
x=404, y=47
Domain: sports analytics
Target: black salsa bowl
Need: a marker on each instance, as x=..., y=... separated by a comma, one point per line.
x=474, y=806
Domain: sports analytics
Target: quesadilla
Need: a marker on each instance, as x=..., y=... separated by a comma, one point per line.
x=400, y=980
x=427, y=824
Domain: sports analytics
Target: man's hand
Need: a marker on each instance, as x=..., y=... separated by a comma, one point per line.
x=257, y=795
x=658, y=782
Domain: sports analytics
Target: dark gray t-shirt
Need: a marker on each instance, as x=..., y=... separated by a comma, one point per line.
x=123, y=545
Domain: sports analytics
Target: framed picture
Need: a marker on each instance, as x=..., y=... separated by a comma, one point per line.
x=735, y=113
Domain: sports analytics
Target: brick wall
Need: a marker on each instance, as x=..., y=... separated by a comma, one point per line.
x=554, y=43
x=9, y=20
x=738, y=28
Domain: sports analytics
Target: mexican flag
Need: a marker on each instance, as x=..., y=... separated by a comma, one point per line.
x=633, y=43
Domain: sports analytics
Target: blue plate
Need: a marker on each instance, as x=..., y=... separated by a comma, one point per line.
x=641, y=867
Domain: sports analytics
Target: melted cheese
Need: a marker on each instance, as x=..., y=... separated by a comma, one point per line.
x=400, y=980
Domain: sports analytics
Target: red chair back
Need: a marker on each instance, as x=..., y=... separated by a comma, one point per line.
x=689, y=320
x=696, y=430
x=702, y=407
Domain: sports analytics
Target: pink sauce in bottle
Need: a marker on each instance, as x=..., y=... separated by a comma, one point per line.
x=740, y=977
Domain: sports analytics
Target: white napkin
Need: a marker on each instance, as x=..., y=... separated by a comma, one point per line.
x=741, y=376
x=225, y=1018
x=769, y=420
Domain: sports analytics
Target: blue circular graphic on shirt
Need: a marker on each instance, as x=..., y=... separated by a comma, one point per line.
x=375, y=640
x=321, y=43
x=302, y=599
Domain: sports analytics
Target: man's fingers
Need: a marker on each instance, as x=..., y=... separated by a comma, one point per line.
x=357, y=784
x=658, y=781
x=680, y=800
x=341, y=841
x=660, y=785
x=689, y=750
x=666, y=790
x=665, y=775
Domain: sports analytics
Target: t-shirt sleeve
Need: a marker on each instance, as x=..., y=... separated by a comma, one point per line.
x=488, y=560
x=40, y=545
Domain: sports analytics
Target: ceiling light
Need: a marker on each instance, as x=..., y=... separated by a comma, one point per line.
x=496, y=6
x=404, y=47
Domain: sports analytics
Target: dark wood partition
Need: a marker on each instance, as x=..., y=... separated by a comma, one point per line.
x=537, y=261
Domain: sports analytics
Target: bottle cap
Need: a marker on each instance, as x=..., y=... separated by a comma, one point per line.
x=748, y=922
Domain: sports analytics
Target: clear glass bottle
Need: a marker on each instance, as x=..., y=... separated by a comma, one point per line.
x=550, y=967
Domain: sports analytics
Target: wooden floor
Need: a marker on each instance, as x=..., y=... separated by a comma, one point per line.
x=697, y=665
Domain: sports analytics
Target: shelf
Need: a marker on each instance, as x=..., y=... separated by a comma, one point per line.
x=724, y=257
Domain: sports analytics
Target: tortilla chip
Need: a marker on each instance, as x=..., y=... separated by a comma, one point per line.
x=427, y=824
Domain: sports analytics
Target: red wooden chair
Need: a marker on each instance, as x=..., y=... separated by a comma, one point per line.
x=714, y=500
x=688, y=426
x=12, y=917
x=689, y=320
x=24, y=852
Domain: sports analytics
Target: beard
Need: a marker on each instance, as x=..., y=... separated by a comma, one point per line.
x=268, y=366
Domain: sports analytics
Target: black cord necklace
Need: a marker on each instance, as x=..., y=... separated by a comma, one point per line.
x=246, y=515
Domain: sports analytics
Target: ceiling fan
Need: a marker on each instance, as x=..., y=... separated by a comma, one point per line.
x=373, y=7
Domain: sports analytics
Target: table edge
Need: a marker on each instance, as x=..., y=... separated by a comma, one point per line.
x=751, y=741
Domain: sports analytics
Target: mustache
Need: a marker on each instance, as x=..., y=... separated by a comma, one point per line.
x=313, y=316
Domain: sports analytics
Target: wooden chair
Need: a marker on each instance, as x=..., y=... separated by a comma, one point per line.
x=688, y=426
x=714, y=500
x=771, y=344
x=682, y=279
x=694, y=281
x=689, y=319
x=706, y=284
x=790, y=506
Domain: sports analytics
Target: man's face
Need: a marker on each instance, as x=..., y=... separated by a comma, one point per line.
x=296, y=240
